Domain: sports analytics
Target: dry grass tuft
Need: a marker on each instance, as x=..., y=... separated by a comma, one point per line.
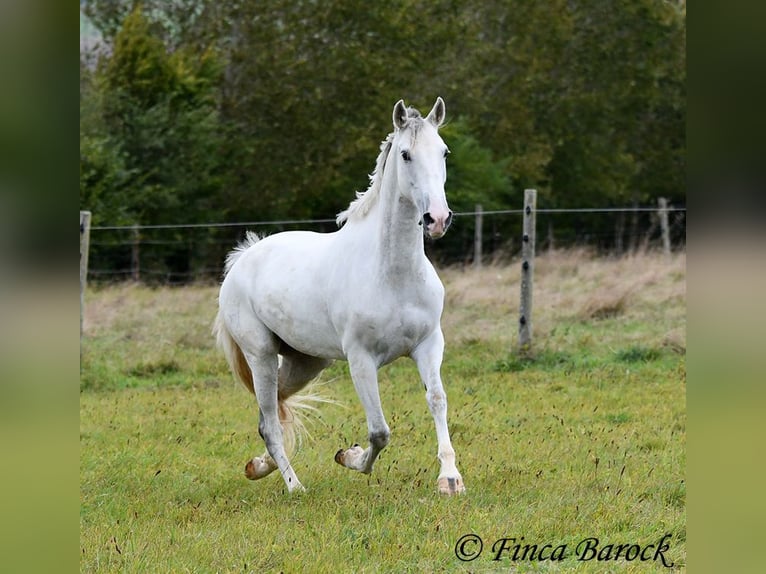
x=606, y=303
x=574, y=292
x=140, y=312
x=572, y=285
x=675, y=341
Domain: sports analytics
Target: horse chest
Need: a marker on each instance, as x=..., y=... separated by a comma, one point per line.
x=390, y=329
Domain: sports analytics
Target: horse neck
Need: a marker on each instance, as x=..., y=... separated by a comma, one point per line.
x=400, y=238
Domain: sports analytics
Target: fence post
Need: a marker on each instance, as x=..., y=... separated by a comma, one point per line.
x=135, y=257
x=84, y=248
x=527, y=270
x=477, y=236
x=551, y=240
x=663, y=216
x=619, y=232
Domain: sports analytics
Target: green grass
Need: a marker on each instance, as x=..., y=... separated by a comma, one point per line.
x=585, y=437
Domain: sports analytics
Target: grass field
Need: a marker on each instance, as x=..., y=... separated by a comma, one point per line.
x=585, y=439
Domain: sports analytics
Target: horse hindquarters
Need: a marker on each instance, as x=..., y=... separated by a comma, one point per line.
x=254, y=363
x=294, y=374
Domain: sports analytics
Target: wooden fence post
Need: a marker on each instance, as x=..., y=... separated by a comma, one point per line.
x=527, y=270
x=663, y=217
x=551, y=239
x=135, y=257
x=619, y=232
x=84, y=248
x=477, y=236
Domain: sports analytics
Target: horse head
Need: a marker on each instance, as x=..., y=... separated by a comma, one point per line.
x=420, y=155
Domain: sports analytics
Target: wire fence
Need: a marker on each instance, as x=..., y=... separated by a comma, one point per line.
x=187, y=252
x=332, y=220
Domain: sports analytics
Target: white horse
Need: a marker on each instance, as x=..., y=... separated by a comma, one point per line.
x=294, y=301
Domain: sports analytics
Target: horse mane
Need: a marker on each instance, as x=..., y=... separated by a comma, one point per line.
x=365, y=200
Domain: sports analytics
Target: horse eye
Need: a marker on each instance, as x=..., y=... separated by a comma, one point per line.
x=406, y=155
x=446, y=152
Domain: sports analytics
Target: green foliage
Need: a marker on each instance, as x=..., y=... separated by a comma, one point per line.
x=621, y=98
x=211, y=111
x=150, y=140
x=638, y=354
x=160, y=108
x=474, y=176
x=103, y=178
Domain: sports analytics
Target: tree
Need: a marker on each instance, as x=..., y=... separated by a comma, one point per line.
x=149, y=152
x=623, y=73
x=232, y=111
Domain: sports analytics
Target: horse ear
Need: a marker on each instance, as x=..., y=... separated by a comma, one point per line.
x=437, y=113
x=400, y=115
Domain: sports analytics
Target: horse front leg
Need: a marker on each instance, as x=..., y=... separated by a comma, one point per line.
x=364, y=373
x=428, y=357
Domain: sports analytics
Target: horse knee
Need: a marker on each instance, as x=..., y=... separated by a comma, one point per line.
x=437, y=400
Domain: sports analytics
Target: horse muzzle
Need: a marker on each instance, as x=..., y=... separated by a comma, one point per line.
x=435, y=225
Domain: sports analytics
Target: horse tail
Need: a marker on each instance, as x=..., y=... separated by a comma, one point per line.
x=250, y=240
x=295, y=411
x=233, y=353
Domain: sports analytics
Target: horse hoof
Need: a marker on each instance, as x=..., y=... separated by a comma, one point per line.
x=450, y=486
x=258, y=468
x=296, y=489
x=250, y=470
x=352, y=458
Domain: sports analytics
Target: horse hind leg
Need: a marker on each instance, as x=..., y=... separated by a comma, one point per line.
x=245, y=368
x=264, y=371
x=295, y=371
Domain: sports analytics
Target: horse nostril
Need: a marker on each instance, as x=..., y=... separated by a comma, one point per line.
x=427, y=219
x=448, y=221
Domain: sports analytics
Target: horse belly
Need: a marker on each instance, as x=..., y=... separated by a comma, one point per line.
x=300, y=322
